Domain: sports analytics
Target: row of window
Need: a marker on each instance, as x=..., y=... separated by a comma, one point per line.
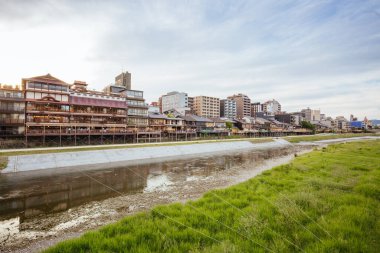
x=139, y=112
x=38, y=95
x=10, y=94
x=11, y=106
x=135, y=103
x=44, y=86
x=134, y=94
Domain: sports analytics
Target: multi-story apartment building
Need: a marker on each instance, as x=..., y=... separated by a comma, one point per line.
x=243, y=105
x=137, y=109
x=228, y=108
x=255, y=108
x=175, y=101
x=12, y=111
x=190, y=104
x=271, y=107
x=207, y=106
x=311, y=115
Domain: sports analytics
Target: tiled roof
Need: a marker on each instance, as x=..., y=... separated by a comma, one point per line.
x=192, y=117
x=46, y=79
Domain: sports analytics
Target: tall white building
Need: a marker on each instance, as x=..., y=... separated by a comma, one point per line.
x=228, y=108
x=175, y=101
x=271, y=107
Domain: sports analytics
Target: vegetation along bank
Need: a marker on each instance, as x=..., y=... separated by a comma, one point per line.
x=325, y=201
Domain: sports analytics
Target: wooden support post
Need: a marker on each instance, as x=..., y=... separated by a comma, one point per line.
x=43, y=137
x=75, y=136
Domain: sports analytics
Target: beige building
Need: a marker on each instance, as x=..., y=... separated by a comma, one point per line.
x=207, y=106
x=243, y=105
x=311, y=115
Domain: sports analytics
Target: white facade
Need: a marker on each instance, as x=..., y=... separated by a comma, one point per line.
x=271, y=107
x=174, y=101
x=228, y=108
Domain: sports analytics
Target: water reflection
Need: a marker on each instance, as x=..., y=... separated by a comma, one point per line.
x=28, y=195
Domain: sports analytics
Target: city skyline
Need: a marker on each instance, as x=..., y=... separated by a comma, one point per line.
x=322, y=55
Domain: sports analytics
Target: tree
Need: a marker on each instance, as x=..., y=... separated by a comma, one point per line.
x=229, y=125
x=308, y=125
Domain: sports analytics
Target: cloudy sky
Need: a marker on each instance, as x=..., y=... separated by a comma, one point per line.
x=322, y=54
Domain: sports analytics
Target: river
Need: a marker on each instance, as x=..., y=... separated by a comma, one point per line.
x=39, y=209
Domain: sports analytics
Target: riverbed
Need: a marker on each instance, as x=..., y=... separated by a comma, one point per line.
x=38, y=211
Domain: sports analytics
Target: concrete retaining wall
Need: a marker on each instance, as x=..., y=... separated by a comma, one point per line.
x=118, y=156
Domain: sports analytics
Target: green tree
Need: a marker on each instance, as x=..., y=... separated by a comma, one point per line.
x=229, y=125
x=308, y=125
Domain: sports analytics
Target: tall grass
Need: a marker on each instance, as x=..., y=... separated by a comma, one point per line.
x=324, y=201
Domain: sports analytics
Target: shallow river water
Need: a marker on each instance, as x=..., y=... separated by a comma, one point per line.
x=39, y=209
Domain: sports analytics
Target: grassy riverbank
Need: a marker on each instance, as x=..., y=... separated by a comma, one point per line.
x=297, y=139
x=324, y=201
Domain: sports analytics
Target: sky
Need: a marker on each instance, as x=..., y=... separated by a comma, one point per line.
x=319, y=54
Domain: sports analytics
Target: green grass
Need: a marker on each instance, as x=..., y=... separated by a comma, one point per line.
x=325, y=137
x=324, y=201
x=261, y=140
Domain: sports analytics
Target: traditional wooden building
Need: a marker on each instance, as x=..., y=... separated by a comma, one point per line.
x=47, y=106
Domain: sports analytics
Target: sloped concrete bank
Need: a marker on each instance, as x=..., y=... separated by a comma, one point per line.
x=115, y=157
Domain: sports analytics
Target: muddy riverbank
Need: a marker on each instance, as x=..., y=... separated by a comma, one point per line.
x=58, y=208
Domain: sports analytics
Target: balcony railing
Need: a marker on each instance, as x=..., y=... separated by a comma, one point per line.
x=42, y=110
x=74, y=131
x=10, y=110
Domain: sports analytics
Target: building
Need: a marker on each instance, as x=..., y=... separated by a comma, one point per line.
x=190, y=104
x=228, y=108
x=47, y=105
x=207, y=106
x=271, y=107
x=59, y=113
x=311, y=115
x=342, y=123
x=243, y=105
x=154, y=108
x=124, y=79
x=255, y=108
x=137, y=108
x=12, y=111
x=96, y=112
x=175, y=101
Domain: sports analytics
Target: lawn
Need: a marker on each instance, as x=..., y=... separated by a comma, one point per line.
x=325, y=137
x=324, y=201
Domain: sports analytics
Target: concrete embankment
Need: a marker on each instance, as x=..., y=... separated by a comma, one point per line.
x=115, y=157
